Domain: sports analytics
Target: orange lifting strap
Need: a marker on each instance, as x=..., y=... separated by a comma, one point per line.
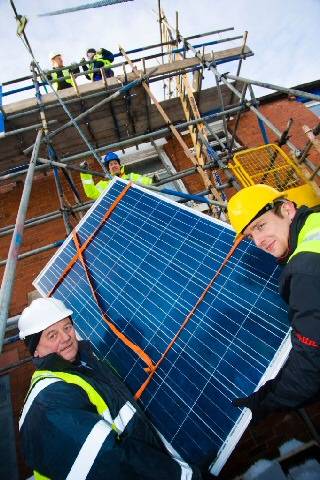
x=79, y=255
x=189, y=315
x=147, y=360
x=89, y=239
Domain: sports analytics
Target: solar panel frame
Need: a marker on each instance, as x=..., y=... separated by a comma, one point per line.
x=196, y=262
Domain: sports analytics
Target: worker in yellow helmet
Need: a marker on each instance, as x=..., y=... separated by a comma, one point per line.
x=292, y=235
x=79, y=420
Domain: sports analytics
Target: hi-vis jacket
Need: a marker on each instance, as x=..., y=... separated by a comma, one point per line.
x=80, y=422
x=103, y=58
x=93, y=190
x=60, y=79
x=298, y=382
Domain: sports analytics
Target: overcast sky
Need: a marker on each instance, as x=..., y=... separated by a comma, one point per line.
x=284, y=34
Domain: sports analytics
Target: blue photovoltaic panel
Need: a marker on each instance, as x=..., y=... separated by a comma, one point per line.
x=150, y=263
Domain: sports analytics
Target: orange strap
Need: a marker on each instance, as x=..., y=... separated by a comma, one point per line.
x=147, y=360
x=186, y=320
x=89, y=239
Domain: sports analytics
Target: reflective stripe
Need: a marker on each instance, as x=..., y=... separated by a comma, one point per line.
x=94, y=441
x=88, y=182
x=309, y=236
x=33, y=394
x=89, y=451
x=107, y=416
x=100, y=187
x=74, y=379
x=186, y=470
x=312, y=236
x=124, y=416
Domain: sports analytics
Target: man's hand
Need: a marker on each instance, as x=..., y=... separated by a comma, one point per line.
x=84, y=165
x=255, y=403
x=243, y=402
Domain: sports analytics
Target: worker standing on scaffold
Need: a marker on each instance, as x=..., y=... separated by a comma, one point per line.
x=98, y=59
x=60, y=78
x=79, y=420
x=292, y=235
x=113, y=165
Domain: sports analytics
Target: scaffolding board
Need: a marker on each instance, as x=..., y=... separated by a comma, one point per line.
x=150, y=262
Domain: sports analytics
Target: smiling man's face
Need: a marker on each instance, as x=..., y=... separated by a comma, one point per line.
x=270, y=232
x=59, y=338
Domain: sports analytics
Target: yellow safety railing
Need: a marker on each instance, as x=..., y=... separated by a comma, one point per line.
x=270, y=165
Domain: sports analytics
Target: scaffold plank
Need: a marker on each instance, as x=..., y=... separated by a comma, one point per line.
x=101, y=123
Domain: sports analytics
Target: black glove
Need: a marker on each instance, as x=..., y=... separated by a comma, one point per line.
x=255, y=403
x=84, y=165
x=243, y=402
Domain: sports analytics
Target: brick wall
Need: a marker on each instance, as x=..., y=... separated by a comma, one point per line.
x=43, y=200
x=278, y=112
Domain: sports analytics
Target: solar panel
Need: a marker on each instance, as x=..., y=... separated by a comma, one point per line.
x=149, y=263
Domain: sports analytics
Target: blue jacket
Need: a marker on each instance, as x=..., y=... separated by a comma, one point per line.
x=103, y=58
x=61, y=418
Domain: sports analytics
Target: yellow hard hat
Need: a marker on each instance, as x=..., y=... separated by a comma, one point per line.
x=245, y=205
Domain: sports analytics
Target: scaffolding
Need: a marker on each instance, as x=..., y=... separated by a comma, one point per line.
x=116, y=113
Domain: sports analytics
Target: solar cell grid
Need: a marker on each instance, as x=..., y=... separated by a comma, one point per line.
x=150, y=263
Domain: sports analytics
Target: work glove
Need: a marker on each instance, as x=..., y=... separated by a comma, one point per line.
x=243, y=402
x=84, y=165
x=252, y=403
x=155, y=178
x=83, y=60
x=256, y=402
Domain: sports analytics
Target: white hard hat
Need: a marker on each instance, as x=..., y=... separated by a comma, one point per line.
x=41, y=313
x=53, y=54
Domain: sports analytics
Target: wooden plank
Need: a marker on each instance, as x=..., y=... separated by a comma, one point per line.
x=69, y=142
x=98, y=86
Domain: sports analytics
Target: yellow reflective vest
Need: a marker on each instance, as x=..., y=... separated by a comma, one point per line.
x=309, y=236
x=93, y=190
x=117, y=425
x=92, y=65
x=62, y=76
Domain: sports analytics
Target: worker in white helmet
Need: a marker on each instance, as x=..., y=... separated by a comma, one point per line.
x=79, y=419
x=60, y=77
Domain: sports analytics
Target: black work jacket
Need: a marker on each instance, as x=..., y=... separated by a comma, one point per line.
x=61, y=418
x=298, y=382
